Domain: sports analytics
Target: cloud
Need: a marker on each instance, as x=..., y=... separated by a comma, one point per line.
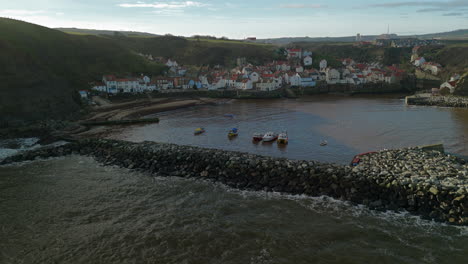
x=440, y=4
x=297, y=6
x=427, y=10
x=453, y=14
x=20, y=12
x=425, y=6
x=165, y=5
x=168, y=12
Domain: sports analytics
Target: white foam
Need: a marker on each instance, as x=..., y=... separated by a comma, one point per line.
x=344, y=210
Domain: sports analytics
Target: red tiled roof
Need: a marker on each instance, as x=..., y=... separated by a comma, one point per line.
x=361, y=66
x=109, y=77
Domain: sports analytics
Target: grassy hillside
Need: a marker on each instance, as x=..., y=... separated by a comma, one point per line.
x=199, y=52
x=80, y=31
x=43, y=68
x=453, y=57
x=332, y=52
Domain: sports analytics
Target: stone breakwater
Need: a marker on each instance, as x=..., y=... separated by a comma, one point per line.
x=444, y=101
x=430, y=184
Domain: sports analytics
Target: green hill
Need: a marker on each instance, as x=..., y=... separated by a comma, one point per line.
x=80, y=31
x=42, y=69
x=452, y=57
x=199, y=51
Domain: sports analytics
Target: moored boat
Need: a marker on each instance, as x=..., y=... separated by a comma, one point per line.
x=283, y=138
x=199, y=131
x=357, y=158
x=323, y=143
x=257, y=137
x=270, y=136
x=233, y=132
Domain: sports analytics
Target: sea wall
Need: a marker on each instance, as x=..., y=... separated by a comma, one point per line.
x=430, y=184
x=444, y=101
x=368, y=88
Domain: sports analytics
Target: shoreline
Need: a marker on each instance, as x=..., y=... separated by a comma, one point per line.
x=386, y=180
x=441, y=101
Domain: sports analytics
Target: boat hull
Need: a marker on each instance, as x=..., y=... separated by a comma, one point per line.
x=269, y=139
x=282, y=141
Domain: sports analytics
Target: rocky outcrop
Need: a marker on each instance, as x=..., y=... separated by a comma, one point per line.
x=444, y=101
x=430, y=184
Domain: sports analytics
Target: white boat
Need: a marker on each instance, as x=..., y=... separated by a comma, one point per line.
x=323, y=143
x=270, y=136
x=283, y=138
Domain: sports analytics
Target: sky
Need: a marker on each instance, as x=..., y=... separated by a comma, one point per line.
x=246, y=18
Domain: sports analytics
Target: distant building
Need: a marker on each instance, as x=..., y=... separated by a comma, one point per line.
x=294, y=53
x=358, y=37
x=323, y=65
x=308, y=61
x=418, y=62
x=83, y=94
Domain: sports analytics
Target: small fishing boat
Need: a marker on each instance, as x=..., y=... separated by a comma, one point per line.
x=323, y=143
x=270, y=136
x=199, y=131
x=257, y=137
x=283, y=138
x=233, y=132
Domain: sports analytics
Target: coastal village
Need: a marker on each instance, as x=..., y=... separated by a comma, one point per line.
x=295, y=71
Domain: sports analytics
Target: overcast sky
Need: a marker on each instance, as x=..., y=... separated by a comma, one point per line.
x=242, y=18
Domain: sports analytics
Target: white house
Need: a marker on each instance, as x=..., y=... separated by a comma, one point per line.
x=294, y=53
x=100, y=87
x=455, y=77
x=295, y=80
x=171, y=64
x=299, y=69
x=332, y=75
x=418, y=62
x=266, y=86
x=204, y=81
x=308, y=61
x=255, y=77
x=323, y=65
x=146, y=79
x=247, y=84
x=449, y=85
x=128, y=85
x=432, y=67
x=247, y=70
x=221, y=83
x=111, y=83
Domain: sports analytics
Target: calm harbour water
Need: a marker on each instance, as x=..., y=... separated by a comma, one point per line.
x=73, y=210
x=351, y=125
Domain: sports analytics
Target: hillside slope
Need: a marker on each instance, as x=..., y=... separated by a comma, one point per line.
x=42, y=69
x=452, y=57
x=81, y=31
x=199, y=52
